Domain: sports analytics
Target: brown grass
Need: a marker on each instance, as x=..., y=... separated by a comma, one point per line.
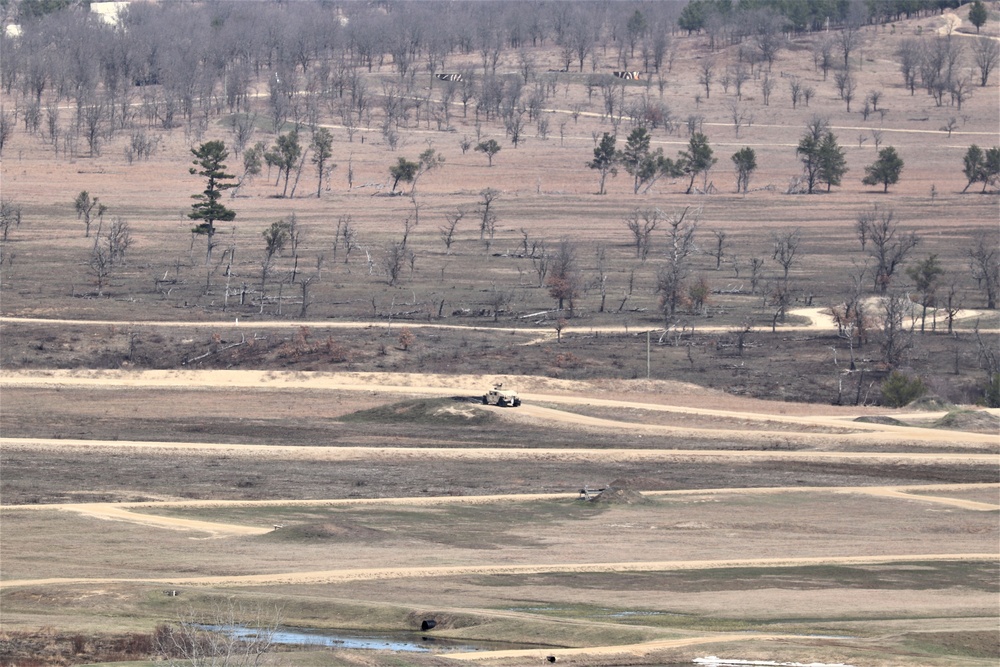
x=881, y=614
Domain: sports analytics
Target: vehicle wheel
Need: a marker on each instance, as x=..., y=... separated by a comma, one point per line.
x=486, y=401
x=517, y=402
x=501, y=403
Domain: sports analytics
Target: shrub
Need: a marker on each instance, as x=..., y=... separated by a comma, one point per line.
x=900, y=389
x=991, y=392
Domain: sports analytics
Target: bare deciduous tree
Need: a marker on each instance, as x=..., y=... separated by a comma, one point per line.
x=642, y=223
x=487, y=216
x=563, y=279
x=231, y=634
x=447, y=231
x=986, y=54
x=889, y=244
x=984, y=261
x=671, y=276
x=896, y=334
x=706, y=73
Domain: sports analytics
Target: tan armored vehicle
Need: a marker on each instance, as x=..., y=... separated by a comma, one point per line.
x=501, y=397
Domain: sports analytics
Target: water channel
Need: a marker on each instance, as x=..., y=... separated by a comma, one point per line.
x=401, y=642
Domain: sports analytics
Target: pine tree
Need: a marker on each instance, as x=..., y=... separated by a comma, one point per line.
x=885, y=169
x=211, y=157
x=832, y=163
x=605, y=159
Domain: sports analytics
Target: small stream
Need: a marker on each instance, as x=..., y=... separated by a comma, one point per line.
x=400, y=642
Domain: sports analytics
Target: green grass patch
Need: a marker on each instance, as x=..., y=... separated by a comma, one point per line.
x=470, y=526
x=937, y=575
x=965, y=644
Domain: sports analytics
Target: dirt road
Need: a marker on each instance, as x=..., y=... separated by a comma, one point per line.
x=846, y=431
x=133, y=512
x=818, y=319
x=370, y=574
x=399, y=454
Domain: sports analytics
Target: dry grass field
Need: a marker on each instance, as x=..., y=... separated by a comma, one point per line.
x=323, y=451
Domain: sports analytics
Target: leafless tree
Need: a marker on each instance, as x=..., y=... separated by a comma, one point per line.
x=795, y=89
x=392, y=262
x=740, y=115
x=984, y=261
x=347, y=234
x=447, y=231
x=849, y=40
x=100, y=265
x=706, y=73
x=889, y=244
x=896, y=334
x=563, y=279
x=540, y=261
x=499, y=300
x=846, y=86
x=807, y=93
x=766, y=87
x=786, y=247
x=986, y=54
x=119, y=240
x=960, y=89
x=851, y=316
x=910, y=52
x=823, y=55
x=877, y=138
x=487, y=217
x=720, y=247
x=10, y=218
x=756, y=272
x=231, y=634
x=6, y=127
x=642, y=223
x=680, y=246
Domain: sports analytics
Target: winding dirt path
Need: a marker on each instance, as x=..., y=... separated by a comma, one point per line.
x=631, y=649
x=309, y=453
x=373, y=574
x=845, y=430
x=819, y=319
x=133, y=512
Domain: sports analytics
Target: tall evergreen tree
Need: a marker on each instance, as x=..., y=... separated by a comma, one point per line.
x=697, y=159
x=745, y=162
x=605, y=159
x=885, y=170
x=978, y=15
x=210, y=161
x=832, y=163
x=322, y=151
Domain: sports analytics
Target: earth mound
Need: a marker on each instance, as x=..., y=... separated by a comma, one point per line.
x=969, y=420
x=621, y=492
x=880, y=419
x=930, y=404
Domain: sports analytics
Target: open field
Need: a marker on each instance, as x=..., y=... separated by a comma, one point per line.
x=179, y=435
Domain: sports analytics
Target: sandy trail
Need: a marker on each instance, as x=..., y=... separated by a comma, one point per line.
x=631, y=649
x=850, y=432
x=133, y=512
x=374, y=574
x=819, y=319
x=109, y=512
x=307, y=453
